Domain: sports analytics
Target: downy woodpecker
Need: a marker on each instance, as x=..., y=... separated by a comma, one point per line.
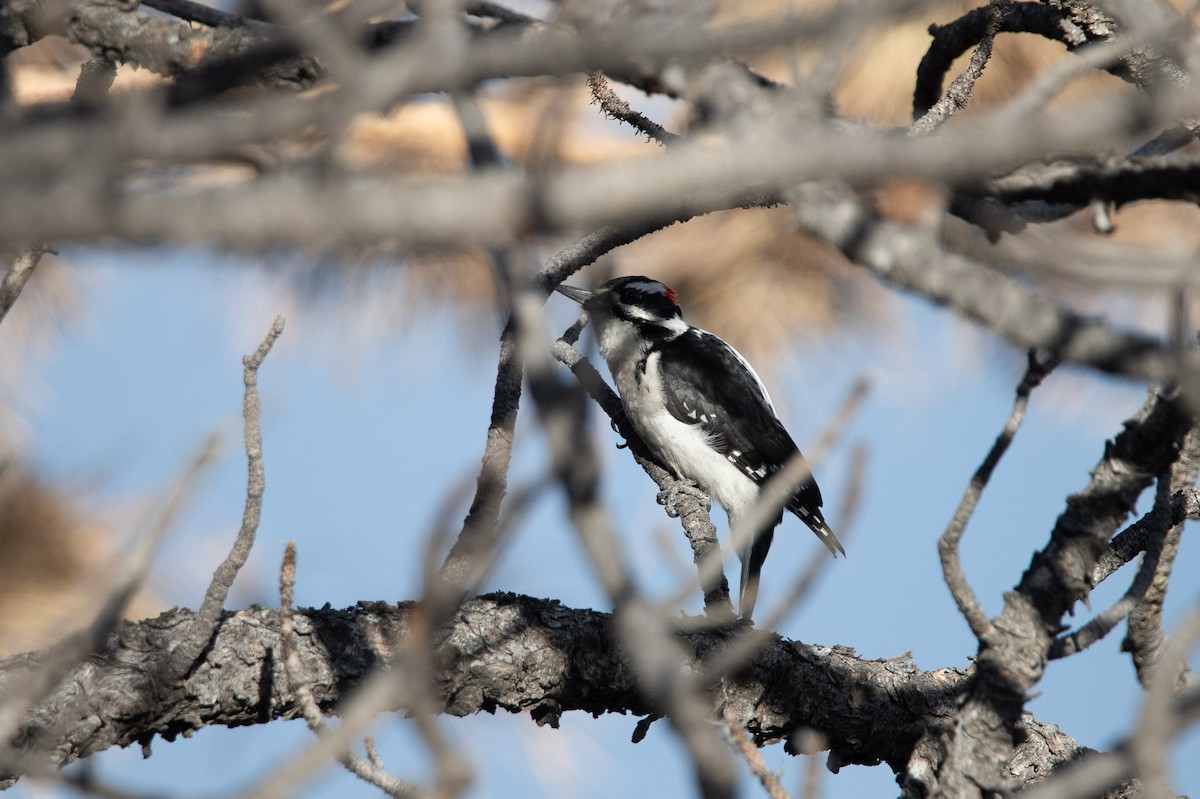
x=700, y=409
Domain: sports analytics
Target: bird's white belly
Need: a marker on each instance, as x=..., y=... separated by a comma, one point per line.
x=685, y=448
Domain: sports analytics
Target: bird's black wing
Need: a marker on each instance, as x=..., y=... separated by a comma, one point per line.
x=708, y=384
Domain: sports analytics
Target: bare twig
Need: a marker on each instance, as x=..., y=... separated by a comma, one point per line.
x=209, y=613
x=1149, y=443
x=197, y=12
x=952, y=569
x=477, y=540
x=960, y=88
x=87, y=782
x=478, y=530
x=372, y=751
x=482, y=150
x=370, y=770
x=847, y=409
x=483, y=8
x=856, y=482
x=1119, y=180
x=1149, y=746
x=736, y=735
x=1103, y=623
x=975, y=27
x=654, y=653
x=376, y=693
x=913, y=259
x=476, y=545
x=96, y=77
x=19, y=271
x=1095, y=55
x=1155, y=526
x=1132, y=541
x=614, y=107
x=403, y=675
x=1145, y=638
x=814, y=768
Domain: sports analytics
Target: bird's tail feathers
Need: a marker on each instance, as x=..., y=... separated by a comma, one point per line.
x=816, y=522
x=753, y=557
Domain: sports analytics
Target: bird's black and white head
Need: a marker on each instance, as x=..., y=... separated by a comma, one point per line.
x=629, y=314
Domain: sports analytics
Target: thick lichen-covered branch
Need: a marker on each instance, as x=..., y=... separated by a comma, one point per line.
x=500, y=651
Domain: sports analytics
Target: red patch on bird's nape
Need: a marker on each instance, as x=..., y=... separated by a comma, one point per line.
x=671, y=295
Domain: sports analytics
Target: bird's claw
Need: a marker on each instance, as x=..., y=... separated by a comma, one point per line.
x=670, y=498
x=617, y=424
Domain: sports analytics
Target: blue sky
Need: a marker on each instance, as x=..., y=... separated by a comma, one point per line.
x=367, y=435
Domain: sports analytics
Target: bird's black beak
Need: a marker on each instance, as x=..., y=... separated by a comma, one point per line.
x=579, y=295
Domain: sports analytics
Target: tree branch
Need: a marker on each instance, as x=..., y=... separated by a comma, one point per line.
x=18, y=274
x=1132, y=541
x=1145, y=638
x=912, y=258
x=197, y=12
x=1119, y=180
x=1013, y=658
x=501, y=651
x=1123, y=548
x=1060, y=575
x=209, y=613
x=960, y=589
x=370, y=770
x=972, y=29
x=960, y=89
x=616, y=108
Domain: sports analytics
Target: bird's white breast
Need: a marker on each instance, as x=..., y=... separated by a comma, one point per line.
x=684, y=448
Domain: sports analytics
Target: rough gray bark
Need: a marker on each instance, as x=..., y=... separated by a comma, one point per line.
x=501, y=651
x=1013, y=655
